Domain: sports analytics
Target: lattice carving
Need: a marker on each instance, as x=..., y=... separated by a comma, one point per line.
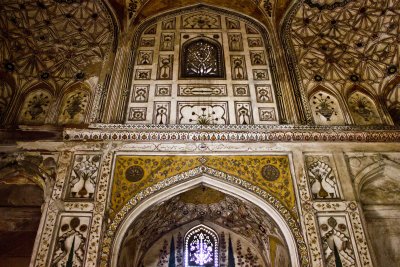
x=54, y=40
x=6, y=94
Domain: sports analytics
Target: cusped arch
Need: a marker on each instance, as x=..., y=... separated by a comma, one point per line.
x=231, y=186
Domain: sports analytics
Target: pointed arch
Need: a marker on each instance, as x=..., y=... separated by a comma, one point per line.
x=216, y=180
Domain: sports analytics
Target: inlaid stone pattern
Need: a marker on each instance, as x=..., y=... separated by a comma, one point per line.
x=321, y=173
x=195, y=68
x=336, y=240
x=71, y=243
x=84, y=175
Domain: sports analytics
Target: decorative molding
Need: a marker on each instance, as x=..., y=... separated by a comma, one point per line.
x=234, y=133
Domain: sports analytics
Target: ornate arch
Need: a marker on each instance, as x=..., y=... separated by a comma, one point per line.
x=214, y=179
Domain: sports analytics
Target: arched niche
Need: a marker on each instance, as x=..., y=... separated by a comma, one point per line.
x=126, y=231
x=202, y=58
x=326, y=108
x=378, y=189
x=74, y=104
x=238, y=88
x=393, y=104
x=35, y=107
x=379, y=183
x=363, y=108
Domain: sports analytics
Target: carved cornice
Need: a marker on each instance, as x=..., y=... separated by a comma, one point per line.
x=233, y=133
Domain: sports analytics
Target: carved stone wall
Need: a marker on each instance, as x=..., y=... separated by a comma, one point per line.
x=202, y=67
x=329, y=220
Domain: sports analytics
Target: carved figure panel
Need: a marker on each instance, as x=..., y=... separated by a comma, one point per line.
x=143, y=75
x=202, y=58
x=167, y=42
x=168, y=24
x=241, y=90
x=161, y=112
x=201, y=20
x=267, y=114
x=140, y=93
x=165, y=67
x=204, y=113
x=244, y=113
x=326, y=109
x=147, y=41
x=251, y=30
x=260, y=74
x=255, y=42
x=74, y=106
x=363, y=109
x=145, y=58
x=35, y=107
x=83, y=180
x=235, y=42
x=71, y=243
x=202, y=90
x=238, y=65
x=257, y=57
x=163, y=90
x=321, y=173
x=336, y=240
x=264, y=93
x=232, y=24
x=137, y=114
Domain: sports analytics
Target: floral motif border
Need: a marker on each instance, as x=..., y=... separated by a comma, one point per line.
x=234, y=134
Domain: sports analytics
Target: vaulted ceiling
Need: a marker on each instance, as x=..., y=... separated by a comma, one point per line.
x=337, y=44
x=347, y=44
x=54, y=41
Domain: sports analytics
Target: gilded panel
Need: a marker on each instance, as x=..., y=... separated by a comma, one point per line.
x=135, y=173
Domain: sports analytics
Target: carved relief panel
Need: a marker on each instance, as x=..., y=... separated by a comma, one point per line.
x=322, y=177
x=363, y=109
x=74, y=106
x=35, y=107
x=326, y=109
x=71, y=241
x=202, y=67
x=83, y=179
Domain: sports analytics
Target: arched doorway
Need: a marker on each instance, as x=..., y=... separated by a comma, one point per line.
x=274, y=228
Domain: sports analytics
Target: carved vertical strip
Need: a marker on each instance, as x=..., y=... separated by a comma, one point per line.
x=50, y=213
x=99, y=210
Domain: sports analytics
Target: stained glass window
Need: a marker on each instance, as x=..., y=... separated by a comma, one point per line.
x=202, y=58
x=201, y=247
